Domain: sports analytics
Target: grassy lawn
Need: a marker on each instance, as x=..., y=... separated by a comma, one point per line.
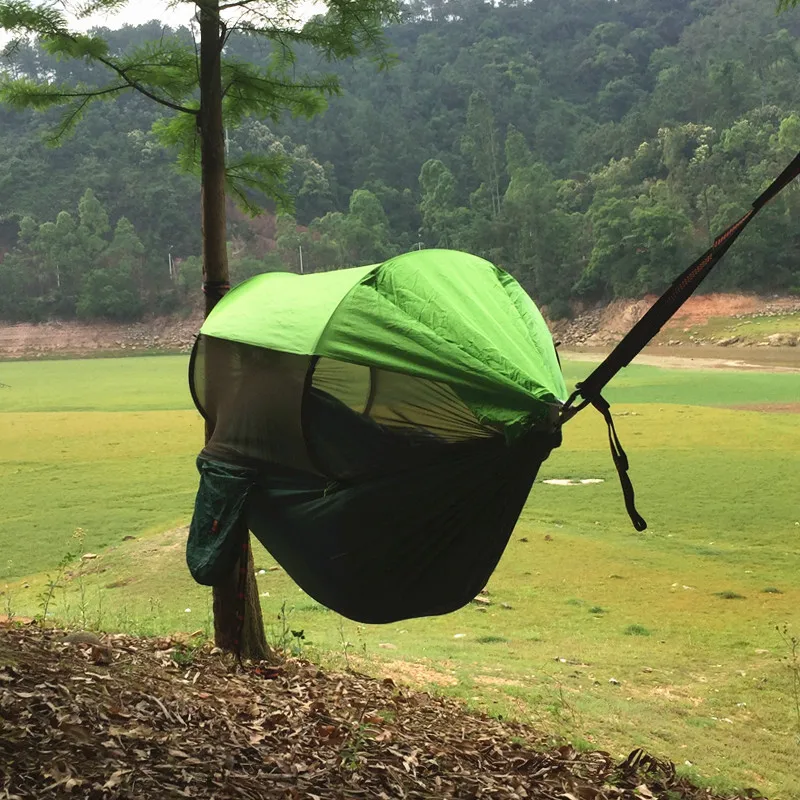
x=101, y=444
x=608, y=637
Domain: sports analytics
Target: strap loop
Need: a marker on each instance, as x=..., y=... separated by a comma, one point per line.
x=621, y=463
x=216, y=287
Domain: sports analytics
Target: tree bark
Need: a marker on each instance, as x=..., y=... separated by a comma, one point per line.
x=227, y=601
x=212, y=143
x=226, y=605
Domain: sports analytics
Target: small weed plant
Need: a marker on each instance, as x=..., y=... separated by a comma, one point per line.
x=285, y=639
x=54, y=581
x=792, y=662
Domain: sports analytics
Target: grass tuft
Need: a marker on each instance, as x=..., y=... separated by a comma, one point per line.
x=636, y=630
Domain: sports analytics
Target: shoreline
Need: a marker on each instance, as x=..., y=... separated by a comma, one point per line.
x=773, y=359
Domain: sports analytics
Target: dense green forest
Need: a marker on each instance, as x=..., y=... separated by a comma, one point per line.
x=592, y=148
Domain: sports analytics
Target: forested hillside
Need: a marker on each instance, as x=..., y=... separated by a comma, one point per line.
x=592, y=148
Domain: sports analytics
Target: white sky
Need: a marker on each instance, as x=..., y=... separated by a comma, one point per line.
x=137, y=12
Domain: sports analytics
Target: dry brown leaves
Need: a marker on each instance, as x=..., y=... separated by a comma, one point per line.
x=143, y=726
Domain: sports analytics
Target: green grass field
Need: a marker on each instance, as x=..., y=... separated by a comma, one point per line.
x=682, y=618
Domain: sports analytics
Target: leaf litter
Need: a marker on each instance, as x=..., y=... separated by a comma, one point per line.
x=129, y=721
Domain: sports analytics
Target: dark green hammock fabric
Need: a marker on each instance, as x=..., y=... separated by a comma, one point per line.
x=420, y=540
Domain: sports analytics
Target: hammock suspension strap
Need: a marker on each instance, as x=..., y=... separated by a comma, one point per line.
x=589, y=391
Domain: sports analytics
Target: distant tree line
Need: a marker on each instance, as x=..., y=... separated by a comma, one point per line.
x=590, y=148
x=78, y=265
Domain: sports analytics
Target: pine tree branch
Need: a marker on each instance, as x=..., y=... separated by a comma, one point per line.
x=122, y=72
x=323, y=87
x=89, y=95
x=49, y=24
x=71, y=118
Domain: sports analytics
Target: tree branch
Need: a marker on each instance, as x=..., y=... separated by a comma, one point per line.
x=122, y=72
x=139, y=88
x=67, y=122
x=90, y=95
x=302, y=87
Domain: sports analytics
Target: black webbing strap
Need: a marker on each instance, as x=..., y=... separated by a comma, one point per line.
x=621, y=463
x=214, y=292
x=665, y=307
x=216, y=287
x=589, y=390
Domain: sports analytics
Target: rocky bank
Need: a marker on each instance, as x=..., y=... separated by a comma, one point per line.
x=601, y=327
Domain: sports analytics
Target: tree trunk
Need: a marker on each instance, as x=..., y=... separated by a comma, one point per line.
x=227, y=601
x=226, y=605
x=212, y=143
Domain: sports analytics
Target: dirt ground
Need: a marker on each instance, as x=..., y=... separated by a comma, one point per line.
x=599, y=327
x=699, y=309
x=772, y=360
x=592, y=330
x=770, y=408
x=72, y=338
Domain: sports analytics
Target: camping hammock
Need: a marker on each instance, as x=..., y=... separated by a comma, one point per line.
x=379, y=429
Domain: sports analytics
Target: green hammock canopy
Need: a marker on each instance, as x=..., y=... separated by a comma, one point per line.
x=378, y=429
